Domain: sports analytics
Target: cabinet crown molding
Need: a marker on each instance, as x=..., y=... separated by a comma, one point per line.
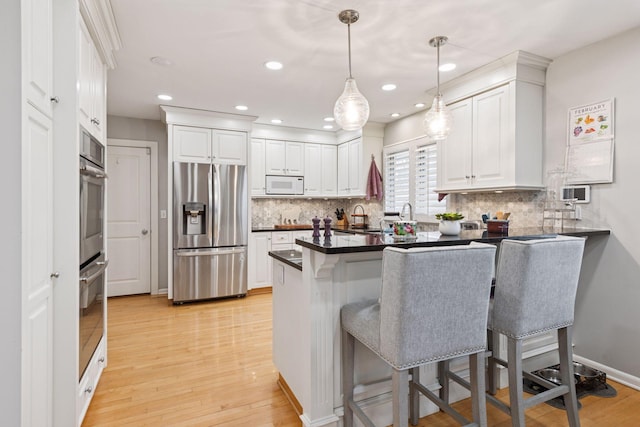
x=204, y=118
x=518, y=65
x=98, y=16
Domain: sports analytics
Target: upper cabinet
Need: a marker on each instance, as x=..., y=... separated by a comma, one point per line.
x=496, y=138
x=38, y=54
x=284, y=158
x=201, y=145
x=256, y=167
x=320, y=168
x=91, y=86
x=354, y=161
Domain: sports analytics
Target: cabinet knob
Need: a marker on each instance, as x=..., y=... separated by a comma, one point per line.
x=101, y=360
x=54, y=99
x=145, y=231
x=88, y=390
x=467, y=176
x=473, y=176
x=55, y=275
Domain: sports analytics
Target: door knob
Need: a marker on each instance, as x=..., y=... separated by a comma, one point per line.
x=144, y=231
x=55, y=275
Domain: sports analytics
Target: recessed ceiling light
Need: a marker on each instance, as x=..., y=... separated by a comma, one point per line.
x=395, y=114
x=447, y=67
x=329, y=119
x=165, y=97
x=159, y=60
x=388, y=86
x=242, y=107
x=327, y=127
x=419, y=105
x=276, y=121
x=273, y=65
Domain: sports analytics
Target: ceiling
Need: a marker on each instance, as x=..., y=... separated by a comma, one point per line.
x=218, y=49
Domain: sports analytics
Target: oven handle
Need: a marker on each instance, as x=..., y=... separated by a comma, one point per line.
x=103, y=266
x=96, y=173
x=212, y=253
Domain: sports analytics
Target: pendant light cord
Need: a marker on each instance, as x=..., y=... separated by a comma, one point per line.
x=349, y=43
x=438, y=68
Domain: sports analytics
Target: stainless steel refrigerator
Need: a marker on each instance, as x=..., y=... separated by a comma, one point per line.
x=209, y=231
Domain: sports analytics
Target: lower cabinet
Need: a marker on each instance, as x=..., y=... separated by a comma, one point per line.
x=259, y=260
x=260, y=263
x=89, y=381
x=289, y=326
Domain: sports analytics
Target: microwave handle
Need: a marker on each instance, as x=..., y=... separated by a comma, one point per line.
x=96, y=173
x=103, y=266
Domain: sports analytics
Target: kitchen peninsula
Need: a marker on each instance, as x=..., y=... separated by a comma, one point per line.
x=341, y=269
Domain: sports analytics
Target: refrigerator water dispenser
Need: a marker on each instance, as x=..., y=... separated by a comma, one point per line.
x=194, y=216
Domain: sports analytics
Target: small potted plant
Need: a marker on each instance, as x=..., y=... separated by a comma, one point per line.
x=449, y=223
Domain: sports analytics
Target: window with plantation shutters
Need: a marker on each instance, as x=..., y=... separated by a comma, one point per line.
x=396, y=180
x=410, y=176
x=426, y=200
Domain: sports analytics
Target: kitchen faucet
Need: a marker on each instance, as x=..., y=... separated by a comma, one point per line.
x=410, y=211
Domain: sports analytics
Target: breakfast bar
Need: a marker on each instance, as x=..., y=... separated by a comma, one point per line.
x=341, y=269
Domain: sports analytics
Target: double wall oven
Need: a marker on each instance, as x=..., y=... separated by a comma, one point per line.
x=92, y=255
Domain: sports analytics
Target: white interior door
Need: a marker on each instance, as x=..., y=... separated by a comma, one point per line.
x=128, y=220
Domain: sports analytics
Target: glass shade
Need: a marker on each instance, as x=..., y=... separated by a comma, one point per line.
x=438, y=120
x=352, y=109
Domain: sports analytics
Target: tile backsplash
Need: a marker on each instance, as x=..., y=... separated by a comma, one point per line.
x=526, y=209
x=268, y=212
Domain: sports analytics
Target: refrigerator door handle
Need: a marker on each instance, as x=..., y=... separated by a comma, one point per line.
x=213, y=253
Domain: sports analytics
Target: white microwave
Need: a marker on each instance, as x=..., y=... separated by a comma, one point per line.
x=284, y=184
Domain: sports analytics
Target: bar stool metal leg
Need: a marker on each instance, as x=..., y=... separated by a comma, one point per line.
x=566, y=370
x=478, y=398
x=400, y=387
x=348, y=347
x=414, y=397
x=514, y=351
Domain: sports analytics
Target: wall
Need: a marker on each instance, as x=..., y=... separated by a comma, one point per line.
x=149, y=130
x=607, y=317
x=10, y=226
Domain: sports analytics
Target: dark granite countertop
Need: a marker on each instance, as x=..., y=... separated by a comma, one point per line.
x=347, y=229
x=340, y=242
x=290, y=257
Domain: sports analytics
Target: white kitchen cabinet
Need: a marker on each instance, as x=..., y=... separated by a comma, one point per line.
x=313, y=169
x=284, y=158
x=290, y=326
x=256, y=166
x=343, y=169
x=329, y=171
x=203, y=145
x=259, y=260
x=38, y=269
x=38, y=54
x=496, y=141
x=320, y=170
x=353, y=165
x=89, y=381
x=191, y=144
x=91, y=86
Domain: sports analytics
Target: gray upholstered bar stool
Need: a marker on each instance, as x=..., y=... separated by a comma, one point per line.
x=536, y=284
x=433, y=306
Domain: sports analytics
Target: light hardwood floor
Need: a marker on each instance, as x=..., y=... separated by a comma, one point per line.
x=209, y=364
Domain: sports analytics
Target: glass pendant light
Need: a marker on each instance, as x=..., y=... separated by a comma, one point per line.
x=351, y=110
x=438, y=120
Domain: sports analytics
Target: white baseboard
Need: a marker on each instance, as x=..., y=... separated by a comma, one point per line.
x=614, y=374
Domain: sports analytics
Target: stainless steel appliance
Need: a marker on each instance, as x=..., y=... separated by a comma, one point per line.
x=284, y=184
x=210, y=231
x=93, y=263
x=92, y=294
x=92, y=196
